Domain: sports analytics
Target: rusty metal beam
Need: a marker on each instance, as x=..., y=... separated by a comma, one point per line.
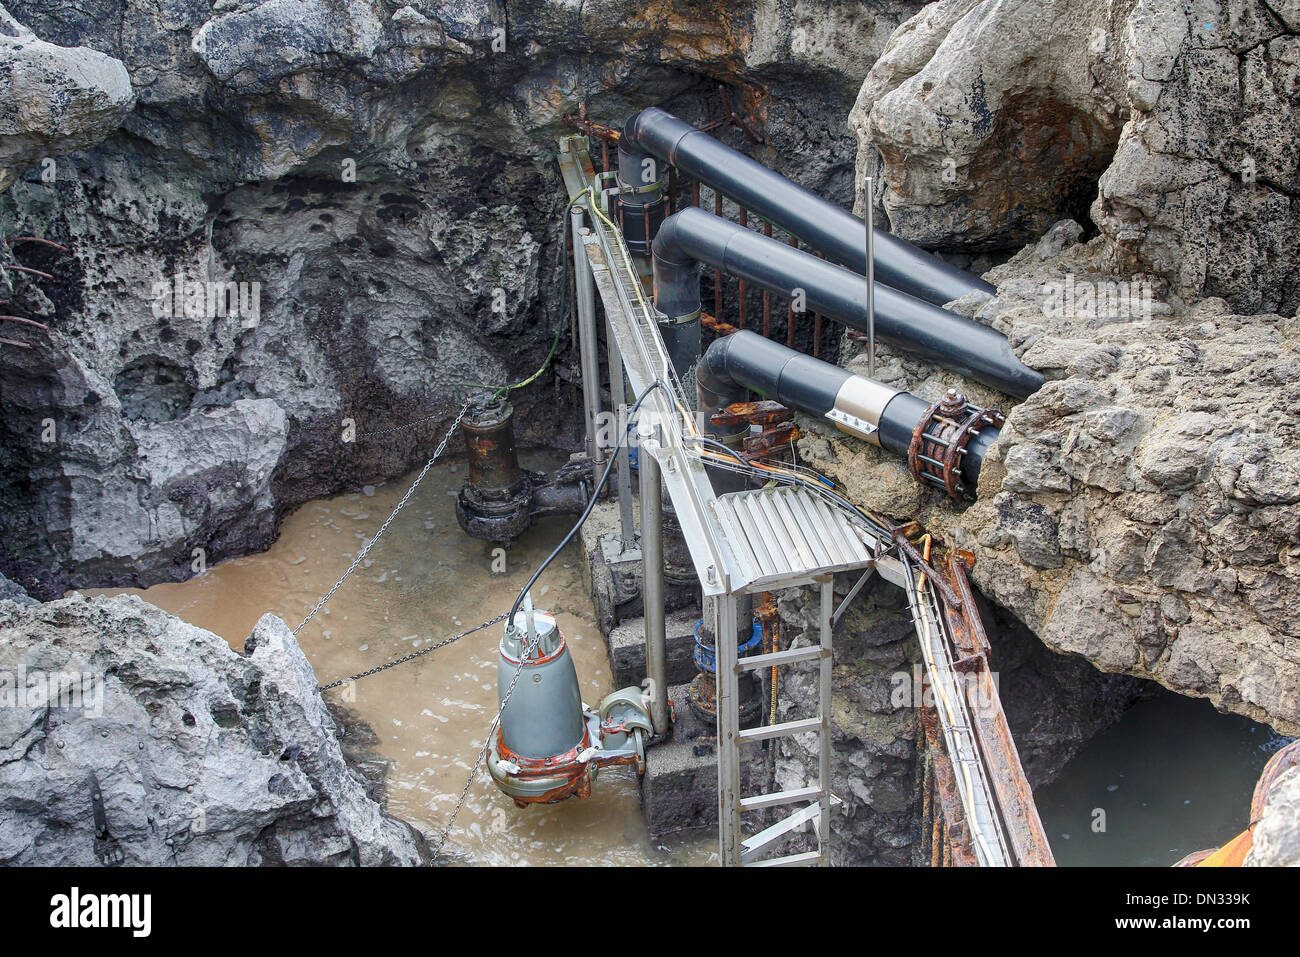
x=954, y=831
x=1015, y=798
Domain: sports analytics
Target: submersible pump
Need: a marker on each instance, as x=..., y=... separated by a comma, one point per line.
x=549, y=745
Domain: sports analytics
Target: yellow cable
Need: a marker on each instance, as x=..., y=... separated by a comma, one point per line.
x=640, y=296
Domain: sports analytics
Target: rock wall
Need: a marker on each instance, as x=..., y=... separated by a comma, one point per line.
x=985, y=122
x=1140, y=510
x=988, y=121
x=376, y=179
x=201, y=755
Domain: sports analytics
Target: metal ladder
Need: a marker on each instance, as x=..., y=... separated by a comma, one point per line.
x=735, y=848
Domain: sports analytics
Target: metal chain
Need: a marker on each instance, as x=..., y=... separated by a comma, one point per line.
x=383, y=528
x=399, y=428
x=412, y=656
x=487, y=743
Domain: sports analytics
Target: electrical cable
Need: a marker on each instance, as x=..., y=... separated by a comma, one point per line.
x=872, y=522
x=591, y=504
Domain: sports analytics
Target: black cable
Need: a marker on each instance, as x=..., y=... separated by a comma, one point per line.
x=595, y=496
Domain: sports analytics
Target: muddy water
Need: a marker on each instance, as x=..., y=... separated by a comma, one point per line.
x=426, y=580
x=1172, y=776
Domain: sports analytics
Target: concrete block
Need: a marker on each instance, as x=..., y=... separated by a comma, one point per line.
x=679, y=791
x=627, y=649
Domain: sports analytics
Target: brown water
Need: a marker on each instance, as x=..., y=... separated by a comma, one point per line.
x=424, y=581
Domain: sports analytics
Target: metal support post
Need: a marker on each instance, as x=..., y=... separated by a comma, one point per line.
x=869, y=214
x=618, y=396
x=590, y=364
x=652, y=588
x=729, y=756
x=824, y=742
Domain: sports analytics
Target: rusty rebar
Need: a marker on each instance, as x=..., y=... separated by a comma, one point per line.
x=36, y=239
x=14, y=267
x=26, y=322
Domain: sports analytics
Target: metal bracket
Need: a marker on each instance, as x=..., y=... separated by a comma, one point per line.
x=107, y=849
x=853, y=593
x=852, y=423
x=612, y=548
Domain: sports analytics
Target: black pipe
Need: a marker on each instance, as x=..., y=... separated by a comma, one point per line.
x=821, y=224
x=641, y=200
x=857, y=405
x=692, y=236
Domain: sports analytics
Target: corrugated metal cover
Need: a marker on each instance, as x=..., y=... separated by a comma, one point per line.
x=787, y=534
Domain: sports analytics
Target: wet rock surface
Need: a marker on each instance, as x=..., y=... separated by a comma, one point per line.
x=200, y=755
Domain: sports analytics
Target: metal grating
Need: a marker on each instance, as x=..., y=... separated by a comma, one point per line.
x=783, y=536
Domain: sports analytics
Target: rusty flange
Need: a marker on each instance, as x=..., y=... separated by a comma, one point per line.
x=776, y=421
x=940, y=439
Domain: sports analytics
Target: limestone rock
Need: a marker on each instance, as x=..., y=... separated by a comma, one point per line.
x=1139, y=510
x=1275, y=841
x=202, y=755
x=1178, y=480
x=12, y=591
x=1201, y=190
x=988, y=120
x=57, y=99
x=985, y=121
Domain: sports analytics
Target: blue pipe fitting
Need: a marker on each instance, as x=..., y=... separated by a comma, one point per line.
x=706, y=655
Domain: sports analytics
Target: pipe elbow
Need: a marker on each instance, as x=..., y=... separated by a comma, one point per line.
x=631, y=129
x=715, y=361
x=668, y=245
x=714, y=387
